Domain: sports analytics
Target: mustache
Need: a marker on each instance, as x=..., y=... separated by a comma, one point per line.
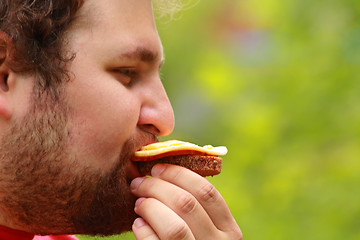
x=142, y=139
x=135, y=142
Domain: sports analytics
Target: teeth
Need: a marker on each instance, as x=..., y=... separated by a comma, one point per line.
x=175, y=145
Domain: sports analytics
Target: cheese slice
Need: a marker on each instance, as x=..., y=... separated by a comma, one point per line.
x=161, y=148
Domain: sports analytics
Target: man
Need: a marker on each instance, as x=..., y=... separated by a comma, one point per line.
x=79, y=93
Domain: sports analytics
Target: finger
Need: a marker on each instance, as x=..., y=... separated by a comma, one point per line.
x=206, y=194
x=143, y=231
x=180, y=201
x=164, y=222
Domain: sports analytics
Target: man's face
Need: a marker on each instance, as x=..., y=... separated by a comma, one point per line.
x=68, y=163
x=117, y=92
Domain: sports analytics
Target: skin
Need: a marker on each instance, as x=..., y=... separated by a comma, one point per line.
x=114, y=104
x=187, y=207
x=123, y=104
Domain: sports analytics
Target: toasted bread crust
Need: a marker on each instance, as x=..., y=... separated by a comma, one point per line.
x=201, y=164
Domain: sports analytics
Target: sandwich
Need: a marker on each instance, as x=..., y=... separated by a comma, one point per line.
x=202, y=160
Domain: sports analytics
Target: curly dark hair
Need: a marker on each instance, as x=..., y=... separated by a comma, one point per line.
x=35, y=29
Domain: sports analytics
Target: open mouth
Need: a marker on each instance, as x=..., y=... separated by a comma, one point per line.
x=131, y=169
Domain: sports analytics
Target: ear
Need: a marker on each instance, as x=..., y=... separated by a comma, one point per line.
x=5, y=104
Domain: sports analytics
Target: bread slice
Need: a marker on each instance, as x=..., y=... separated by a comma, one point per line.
x=202, y=160
x=204, y=165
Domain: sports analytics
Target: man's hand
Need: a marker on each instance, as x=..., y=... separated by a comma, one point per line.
x=176, y=203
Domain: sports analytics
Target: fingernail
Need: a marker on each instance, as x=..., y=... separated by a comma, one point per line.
x=139, y=201
x=136, y=183
x=157, y=170
x=139, y=222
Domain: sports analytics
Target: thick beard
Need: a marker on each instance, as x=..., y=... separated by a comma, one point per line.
x=45, y=190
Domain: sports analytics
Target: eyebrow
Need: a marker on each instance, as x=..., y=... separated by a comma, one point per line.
x=144, y=55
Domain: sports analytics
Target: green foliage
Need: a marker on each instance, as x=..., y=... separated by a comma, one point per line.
x=126, y=236
x=278, y=83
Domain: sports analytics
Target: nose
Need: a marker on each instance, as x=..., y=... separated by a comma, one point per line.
x=156, y=113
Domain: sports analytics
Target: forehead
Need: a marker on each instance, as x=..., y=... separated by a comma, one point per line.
x=119, y=11
x=117, y=23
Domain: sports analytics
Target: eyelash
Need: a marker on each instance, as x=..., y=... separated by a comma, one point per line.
x=128, y=73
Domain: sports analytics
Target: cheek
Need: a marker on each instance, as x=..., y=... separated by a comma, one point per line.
x=102, y=120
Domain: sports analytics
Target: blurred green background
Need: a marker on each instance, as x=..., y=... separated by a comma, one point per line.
x=278, y=83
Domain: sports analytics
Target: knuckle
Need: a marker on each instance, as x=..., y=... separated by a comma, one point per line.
x=177, y=172
x=236, y=233
x=208, y=193
x=178, y=232
x=186, y=203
